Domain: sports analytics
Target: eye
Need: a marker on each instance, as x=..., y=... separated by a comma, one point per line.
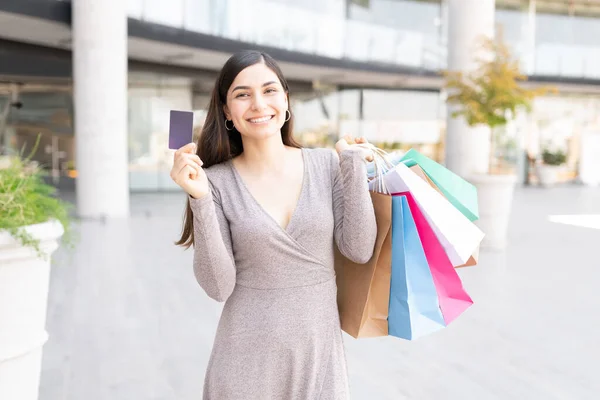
x=271, y=90
x=241, y=95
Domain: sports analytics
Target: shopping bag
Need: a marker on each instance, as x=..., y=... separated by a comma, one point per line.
x=419, y=171
x=453, y=298
x=473, y=260
x=459, y=236
x=364, y=289
x=462, y=194
x=414, y=309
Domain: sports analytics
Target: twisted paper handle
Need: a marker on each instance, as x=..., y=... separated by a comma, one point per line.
x=381, y=164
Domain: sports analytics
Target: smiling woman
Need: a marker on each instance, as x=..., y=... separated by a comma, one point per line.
x=258, y=103
x=264, y=216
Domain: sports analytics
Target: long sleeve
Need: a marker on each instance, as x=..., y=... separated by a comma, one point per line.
x=354, y=217
x=214, y=265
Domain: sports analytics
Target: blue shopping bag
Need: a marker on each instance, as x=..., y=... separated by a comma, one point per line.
x=414, y=308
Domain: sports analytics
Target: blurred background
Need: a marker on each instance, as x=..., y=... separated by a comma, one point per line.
x=358, y=67
x=96, y=79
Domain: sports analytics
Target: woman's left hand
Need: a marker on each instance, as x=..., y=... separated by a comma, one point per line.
x=358, y=144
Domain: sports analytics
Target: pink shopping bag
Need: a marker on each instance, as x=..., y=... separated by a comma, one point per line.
x=453, y=298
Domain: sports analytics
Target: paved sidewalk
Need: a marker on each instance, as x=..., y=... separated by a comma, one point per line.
x=127, y=321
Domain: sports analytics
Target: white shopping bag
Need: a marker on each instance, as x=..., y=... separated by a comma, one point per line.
x=459, y=236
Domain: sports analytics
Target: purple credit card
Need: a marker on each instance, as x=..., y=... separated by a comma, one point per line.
x=180, y=129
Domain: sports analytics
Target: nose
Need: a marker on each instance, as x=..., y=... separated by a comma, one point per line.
x=258, y=103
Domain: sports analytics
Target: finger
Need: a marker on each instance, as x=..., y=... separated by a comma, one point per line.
x=193, y=157
x=195, y=165
x=188, y=148
x=189, y=171
x=361, y=140
x=190, y=164
x=349, y=139
x=184, y=159
x=341, y=144
x=179, y=162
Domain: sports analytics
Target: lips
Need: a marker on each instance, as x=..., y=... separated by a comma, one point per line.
x=261, y=120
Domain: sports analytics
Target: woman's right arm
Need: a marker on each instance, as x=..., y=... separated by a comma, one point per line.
x=214, y=265
x=213, y=256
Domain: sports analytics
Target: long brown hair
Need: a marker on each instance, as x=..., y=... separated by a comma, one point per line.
x=216, y=144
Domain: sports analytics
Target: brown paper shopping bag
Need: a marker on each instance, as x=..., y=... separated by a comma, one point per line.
x=419, y=171
x=364, y=289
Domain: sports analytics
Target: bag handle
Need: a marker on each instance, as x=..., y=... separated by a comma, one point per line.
x=382, y=165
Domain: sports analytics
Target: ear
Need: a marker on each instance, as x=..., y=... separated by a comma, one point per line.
x=226, y=112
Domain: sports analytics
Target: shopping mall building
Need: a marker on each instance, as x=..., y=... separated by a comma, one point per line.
x=367, y=67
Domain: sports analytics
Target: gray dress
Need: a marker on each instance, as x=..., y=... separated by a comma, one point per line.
x=279, y=335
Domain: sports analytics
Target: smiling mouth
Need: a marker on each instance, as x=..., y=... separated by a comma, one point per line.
x=261, y=119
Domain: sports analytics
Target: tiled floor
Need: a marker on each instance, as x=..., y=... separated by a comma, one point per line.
x=127, y=321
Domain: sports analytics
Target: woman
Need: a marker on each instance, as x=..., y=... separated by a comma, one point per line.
x=263, y=214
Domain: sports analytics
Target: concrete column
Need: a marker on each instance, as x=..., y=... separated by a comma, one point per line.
x=467, y=149
x=100, y=94
x=530, y=29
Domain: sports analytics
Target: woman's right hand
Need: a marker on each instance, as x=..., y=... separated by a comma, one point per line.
x=187, y=172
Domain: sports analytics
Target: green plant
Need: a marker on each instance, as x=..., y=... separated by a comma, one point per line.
x=492, y=93
x=70, y=165
x=557, y=157
x=25, y=200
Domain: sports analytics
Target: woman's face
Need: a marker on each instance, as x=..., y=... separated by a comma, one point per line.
x=256, y=102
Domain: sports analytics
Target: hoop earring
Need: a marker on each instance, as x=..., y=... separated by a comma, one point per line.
x=228, y=128
x=288, y=113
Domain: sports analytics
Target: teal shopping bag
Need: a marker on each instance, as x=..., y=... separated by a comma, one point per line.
x=459, y=192
x=414, y=308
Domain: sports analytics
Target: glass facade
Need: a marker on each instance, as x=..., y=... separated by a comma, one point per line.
x=390, y=119
x=398, y=32
x=149, y=103
x=44, y=113
x=402, y=32
x=567, y=46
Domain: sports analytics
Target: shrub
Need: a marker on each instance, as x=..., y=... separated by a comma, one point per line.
x=25, y=199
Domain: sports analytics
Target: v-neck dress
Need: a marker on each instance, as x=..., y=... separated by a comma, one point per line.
x=279, y=334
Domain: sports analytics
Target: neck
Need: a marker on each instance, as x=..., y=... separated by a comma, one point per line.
x=265, y=155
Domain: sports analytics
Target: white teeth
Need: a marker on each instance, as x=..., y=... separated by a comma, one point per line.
x=262, y=119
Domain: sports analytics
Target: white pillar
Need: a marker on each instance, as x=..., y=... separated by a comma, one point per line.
x=467, y=149
x=530, y=38
x=100, y=94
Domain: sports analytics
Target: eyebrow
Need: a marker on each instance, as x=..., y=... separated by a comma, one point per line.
x=248, y=87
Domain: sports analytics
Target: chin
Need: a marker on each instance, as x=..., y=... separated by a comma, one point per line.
x=263, y=132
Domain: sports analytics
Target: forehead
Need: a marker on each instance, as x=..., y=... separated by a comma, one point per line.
x=254, y=76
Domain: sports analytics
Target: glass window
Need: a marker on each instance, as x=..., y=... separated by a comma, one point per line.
x=135, y=8
x=204, y=16
x=162, y=12
x=402, y=117
x=517, y=35
x=398, y=32
x=46, y=113
x=565, y=123
x=150, y=159
x=567, y=46
x=327, y=7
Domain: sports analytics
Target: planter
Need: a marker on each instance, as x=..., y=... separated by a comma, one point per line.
x=495, y=195
x=548, y=174
x=24, y=280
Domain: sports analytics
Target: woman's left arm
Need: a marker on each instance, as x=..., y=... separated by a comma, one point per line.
x=354, y=217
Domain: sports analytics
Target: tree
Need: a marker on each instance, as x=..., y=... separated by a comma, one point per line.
x=492, y=93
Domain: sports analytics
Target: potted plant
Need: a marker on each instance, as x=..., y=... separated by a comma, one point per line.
x=31, y=223
x=550, y=166
x=488, y=98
